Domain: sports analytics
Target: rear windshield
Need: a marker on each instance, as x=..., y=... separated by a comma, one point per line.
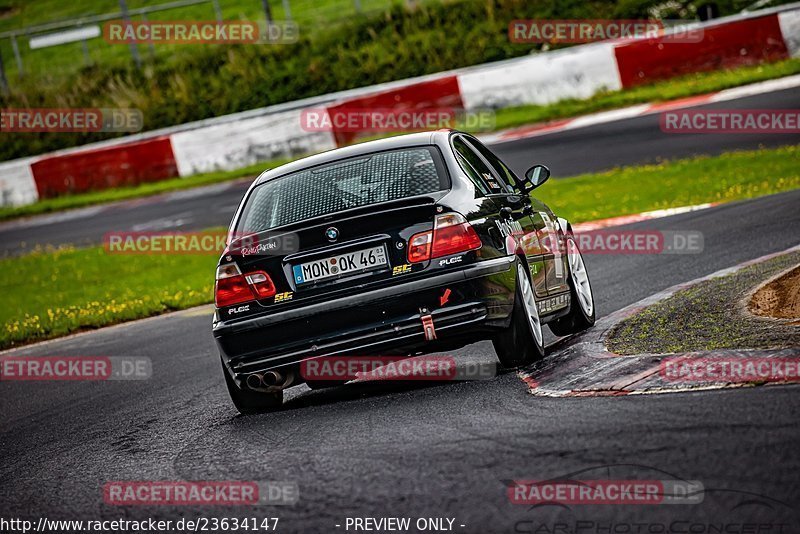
x=345, y=184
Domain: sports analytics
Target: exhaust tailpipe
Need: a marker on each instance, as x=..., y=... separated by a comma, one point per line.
x=273, y=378
x=254, y=381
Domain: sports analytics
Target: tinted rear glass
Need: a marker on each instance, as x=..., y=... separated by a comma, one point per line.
x=345, y=184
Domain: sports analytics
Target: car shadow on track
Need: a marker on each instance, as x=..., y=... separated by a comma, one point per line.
x=360, y=390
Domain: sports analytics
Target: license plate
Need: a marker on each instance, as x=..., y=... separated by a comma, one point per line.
x=340, y=265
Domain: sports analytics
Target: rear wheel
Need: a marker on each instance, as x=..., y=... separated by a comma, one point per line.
x=581, y=313
x=522, y=342
x=250, y=402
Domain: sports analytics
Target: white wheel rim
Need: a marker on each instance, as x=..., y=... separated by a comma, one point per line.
x=580, y=278
x=530, y=304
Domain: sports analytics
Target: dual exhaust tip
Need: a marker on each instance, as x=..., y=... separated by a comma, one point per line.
x=265, y=380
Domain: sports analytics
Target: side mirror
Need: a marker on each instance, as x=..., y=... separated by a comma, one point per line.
x=536, y=176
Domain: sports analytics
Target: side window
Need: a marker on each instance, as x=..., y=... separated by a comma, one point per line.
x=473, y=176
x=500, y=168
x=486, y=179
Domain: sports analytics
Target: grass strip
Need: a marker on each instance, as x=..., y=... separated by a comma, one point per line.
x=672, y=184
x=707, y=317
x=51, y=293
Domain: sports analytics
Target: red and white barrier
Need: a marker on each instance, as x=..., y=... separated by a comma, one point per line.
x=790, y=30
x=148, y=160
x=233, y=145
x=736, y=43
x=242, y=139
x=440, y=92
x=17, y=186
x=577, y=72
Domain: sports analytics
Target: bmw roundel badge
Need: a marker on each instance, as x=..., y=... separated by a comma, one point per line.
x=332, y=233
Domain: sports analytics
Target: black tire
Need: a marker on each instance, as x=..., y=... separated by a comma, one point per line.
x=517, y=345
x=577, y=320
x=251, y=402
x=322, y=384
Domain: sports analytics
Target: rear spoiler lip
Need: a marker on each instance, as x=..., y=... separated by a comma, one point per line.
x=406, y=202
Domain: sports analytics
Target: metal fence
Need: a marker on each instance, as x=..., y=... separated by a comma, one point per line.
x=86, y=31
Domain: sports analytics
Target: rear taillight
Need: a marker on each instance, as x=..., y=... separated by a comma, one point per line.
x=419, y=247
x=451, y=234
x=233, y=287
x=261, y=284
x=233, y=290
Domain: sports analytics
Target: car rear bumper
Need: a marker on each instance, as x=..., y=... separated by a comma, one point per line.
x=378, y=322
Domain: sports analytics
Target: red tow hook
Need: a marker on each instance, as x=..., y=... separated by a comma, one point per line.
x=427, y=326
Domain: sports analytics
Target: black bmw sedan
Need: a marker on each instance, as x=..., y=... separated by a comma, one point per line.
x=408, y=245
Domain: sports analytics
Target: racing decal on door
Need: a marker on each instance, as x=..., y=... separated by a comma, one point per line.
x=509, y=228
x=554, y=303
x=538, y=276
x=492, y=183
x=553, y=243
